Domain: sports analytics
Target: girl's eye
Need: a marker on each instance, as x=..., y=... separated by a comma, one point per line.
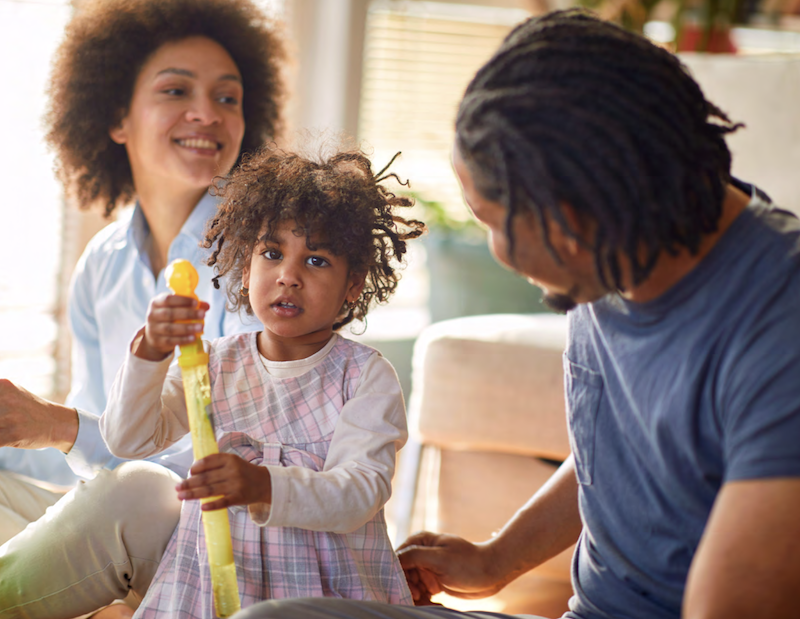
x=317, y=261
x=175, y=92
x=229, y=100
x=272, y=254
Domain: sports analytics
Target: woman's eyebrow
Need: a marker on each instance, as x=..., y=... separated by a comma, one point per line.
x=187, y=73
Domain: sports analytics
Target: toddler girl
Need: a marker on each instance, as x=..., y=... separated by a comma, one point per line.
x=308, y=422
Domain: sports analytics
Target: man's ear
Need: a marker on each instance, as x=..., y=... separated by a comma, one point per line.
x=572, y=241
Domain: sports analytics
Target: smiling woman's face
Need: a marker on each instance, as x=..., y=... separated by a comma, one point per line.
x=185, y=123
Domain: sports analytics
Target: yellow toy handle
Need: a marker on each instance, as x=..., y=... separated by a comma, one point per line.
x=182, y=280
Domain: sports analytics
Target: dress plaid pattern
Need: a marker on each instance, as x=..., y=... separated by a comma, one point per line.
x=285, y=422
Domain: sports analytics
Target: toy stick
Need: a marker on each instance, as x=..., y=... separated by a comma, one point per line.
x=182, y=280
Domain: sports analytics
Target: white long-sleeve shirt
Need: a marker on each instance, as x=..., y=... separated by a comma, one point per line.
x=147, y=414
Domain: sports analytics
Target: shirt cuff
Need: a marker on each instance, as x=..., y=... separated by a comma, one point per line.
x=89, y=454
x=280, y=511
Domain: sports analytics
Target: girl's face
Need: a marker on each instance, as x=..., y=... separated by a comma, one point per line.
x=185, y=123
x=297, y=293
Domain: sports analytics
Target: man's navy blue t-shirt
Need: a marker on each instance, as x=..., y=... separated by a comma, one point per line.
x=669, y=400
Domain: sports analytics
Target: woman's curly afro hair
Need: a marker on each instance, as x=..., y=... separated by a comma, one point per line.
x=336, y=201
x=95, y=69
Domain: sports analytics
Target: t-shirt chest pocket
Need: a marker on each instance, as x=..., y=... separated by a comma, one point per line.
x=584, y=391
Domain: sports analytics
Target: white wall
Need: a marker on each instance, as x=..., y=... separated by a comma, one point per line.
x=764, y=93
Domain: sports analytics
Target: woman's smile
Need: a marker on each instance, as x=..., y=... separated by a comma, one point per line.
x=202, y=145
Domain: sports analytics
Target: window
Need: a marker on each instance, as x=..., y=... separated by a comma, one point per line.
x=32, y=206
x=418, y=60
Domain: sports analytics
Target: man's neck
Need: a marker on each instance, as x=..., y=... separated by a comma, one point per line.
x=669, y=270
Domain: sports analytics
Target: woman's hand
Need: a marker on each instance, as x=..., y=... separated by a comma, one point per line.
x=172, y=321
x=229, y=477
x=30, y=422
x=436, y=563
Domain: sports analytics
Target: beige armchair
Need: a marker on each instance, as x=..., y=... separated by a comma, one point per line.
x=488, y=427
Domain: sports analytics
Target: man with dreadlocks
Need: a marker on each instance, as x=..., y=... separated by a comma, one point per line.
x=602, y=175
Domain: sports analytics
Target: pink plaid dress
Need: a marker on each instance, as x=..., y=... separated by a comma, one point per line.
x=285, y=422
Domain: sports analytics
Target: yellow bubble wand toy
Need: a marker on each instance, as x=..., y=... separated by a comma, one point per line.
x=182, y=280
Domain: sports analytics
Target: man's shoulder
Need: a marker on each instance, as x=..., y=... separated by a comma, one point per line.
x=783, y=226
x=768, y=273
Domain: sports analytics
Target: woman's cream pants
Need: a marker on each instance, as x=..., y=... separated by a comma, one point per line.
x=74, y=553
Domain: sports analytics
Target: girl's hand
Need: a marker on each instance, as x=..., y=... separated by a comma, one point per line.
x=234, y=480
x=166, y=325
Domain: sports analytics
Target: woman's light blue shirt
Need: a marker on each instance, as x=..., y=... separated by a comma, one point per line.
x=111, y=288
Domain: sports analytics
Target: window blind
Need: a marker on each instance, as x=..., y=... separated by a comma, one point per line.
x=418, y=59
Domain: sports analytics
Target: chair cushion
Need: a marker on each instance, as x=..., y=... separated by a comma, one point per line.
x=492, y=383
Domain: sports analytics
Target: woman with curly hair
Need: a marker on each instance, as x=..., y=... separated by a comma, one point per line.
x=150, y=100
x=308, y=422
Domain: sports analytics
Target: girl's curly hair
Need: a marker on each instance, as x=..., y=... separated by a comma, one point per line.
x=96, y=66
x=337, y=199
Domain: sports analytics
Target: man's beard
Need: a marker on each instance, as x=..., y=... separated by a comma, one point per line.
x=561, y=303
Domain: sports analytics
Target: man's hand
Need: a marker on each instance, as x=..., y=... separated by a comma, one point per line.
x=436, y=563
x=546, y=525
x=168, y=325
x=233, y=479
x=30, y=422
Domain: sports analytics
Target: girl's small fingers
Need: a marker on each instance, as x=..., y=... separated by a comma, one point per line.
x=187, y=495
x=176, y=300
x=168, y=345
x=214, y=505
x=170, y=330
x=179, y=315
x=193, y=483
x=199, y=492
x=204, y=492
x=209, y=463
x=213, y=477
x=161, y=300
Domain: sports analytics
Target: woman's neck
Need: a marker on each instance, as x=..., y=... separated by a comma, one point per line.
x=166, y=212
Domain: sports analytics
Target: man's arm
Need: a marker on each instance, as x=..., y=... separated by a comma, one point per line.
x=30, y=422
x=546, y=525
x=748, y=561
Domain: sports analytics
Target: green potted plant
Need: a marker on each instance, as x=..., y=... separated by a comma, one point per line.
x=699, y=25
x=465, y=279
